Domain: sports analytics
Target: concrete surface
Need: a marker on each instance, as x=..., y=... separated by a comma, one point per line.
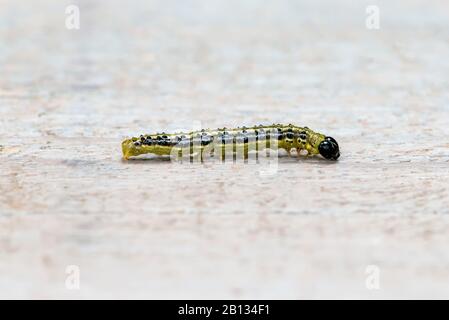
x=155, y=229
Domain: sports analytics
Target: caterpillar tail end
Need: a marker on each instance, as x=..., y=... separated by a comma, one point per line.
x=128, y=149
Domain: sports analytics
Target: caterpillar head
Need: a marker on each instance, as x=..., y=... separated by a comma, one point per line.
x=329, y=149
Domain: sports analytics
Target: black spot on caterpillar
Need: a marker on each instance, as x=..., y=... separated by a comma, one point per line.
x=256, y=138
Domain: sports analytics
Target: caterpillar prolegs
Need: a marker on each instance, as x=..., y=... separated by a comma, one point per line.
x=223, y=141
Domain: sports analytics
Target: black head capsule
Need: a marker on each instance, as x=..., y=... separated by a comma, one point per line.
x=329, y=148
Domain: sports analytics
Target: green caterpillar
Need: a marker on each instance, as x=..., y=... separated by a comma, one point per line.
x=256, y=138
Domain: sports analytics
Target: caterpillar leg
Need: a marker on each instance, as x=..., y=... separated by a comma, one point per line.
x=311, y=151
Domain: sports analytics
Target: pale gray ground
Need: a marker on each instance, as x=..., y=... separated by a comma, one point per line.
x=160, y=230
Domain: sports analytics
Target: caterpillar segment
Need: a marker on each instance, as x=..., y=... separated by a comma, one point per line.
x=238, y=142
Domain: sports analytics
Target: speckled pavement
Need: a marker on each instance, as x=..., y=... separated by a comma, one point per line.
x=372, y=225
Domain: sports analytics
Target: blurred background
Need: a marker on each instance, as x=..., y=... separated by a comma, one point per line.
x=77, y=77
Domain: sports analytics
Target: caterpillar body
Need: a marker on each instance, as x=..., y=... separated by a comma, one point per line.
x=245, y=139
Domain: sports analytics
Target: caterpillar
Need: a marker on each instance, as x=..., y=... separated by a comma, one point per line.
x=211, y=142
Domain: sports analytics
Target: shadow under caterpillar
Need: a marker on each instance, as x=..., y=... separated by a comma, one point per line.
x=244, y=140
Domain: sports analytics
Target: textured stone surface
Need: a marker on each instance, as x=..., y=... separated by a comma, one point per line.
x=155, y=229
